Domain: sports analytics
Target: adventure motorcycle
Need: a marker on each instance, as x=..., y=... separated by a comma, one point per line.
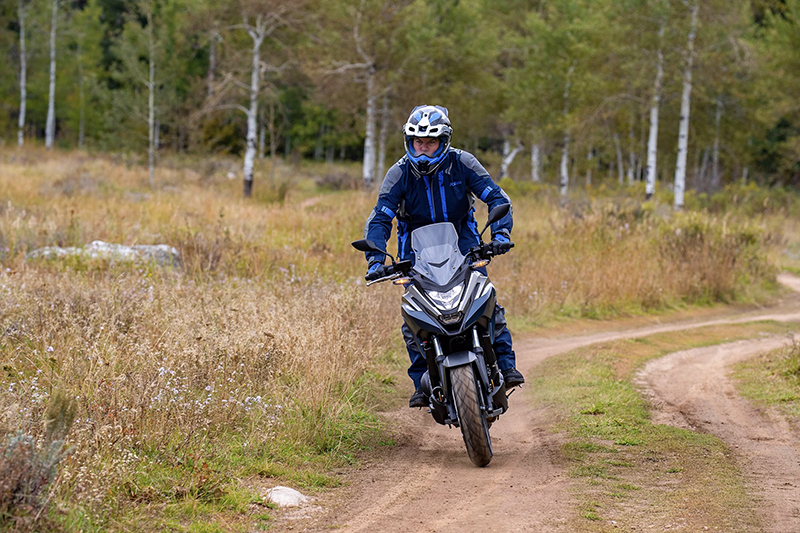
x=449, y=306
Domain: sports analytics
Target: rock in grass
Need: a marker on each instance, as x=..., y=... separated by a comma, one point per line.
x=160, y=254
x=286, y=497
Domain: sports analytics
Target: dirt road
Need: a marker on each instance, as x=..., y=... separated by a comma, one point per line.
x=426, y=483
x=691, y=390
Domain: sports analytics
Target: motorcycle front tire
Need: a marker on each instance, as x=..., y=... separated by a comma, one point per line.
x=471, y=420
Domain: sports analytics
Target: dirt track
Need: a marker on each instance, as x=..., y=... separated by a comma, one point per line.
x=426, y=483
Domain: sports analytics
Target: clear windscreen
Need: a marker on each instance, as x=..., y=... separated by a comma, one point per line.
x=437, y=253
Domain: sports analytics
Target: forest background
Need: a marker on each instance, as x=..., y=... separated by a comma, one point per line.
x=579, y=86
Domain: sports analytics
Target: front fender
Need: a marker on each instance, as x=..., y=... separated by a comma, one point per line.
x=459, y=359
x=468, y=357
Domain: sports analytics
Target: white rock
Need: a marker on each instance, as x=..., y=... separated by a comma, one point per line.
x=161, y=254
x=286, y=497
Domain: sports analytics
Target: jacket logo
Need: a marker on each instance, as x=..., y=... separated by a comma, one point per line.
x=454, y=183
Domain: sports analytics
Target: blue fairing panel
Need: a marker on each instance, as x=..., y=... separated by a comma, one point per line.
x=483, y=305
x=422, y=321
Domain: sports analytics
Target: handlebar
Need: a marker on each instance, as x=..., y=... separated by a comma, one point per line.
x=484, y=251
x=393, y=271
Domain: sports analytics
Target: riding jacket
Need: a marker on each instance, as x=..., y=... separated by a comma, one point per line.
x=446, y=196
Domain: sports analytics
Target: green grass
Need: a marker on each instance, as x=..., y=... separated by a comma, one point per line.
x=773, y=380
x=629, y=470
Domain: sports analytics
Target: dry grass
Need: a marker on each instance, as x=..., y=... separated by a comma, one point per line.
x=255, y=358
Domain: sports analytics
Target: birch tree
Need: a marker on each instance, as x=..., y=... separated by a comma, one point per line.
x=23, y=71
x=262, y=27
x=142, y=50
x=50, y=129
x=509, y=155
x=686, y=95
x=260, y=21
x=536, y=164
x=652, y=140
x=362, y=42
x=565, y=148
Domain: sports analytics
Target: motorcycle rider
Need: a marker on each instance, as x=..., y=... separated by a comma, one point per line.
x=436, y=183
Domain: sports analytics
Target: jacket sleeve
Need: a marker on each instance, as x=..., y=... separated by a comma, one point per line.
x=481, y=185
x=378, y=228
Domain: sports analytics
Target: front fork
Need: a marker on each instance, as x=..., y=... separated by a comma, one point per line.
x=493, y=397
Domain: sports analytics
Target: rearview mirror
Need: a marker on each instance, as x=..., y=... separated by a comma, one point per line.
x=366, y=245
x=496, y=214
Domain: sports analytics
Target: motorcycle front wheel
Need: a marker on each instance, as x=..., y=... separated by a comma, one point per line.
x=471, y=420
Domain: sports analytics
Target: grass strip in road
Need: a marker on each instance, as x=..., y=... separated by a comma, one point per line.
x=634, y=475
x=772, y=380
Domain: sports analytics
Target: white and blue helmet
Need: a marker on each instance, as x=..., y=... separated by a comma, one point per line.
x=427, y=121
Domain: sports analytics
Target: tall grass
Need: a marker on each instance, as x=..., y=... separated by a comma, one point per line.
x=258, y=354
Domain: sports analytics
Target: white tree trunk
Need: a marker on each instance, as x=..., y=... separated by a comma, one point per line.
x=715, y=177
x=252, y=112
x=683, y=131
x=23, y=68
x=536, y=163
x=565, y=166
x=565, y=149
x=382, y=137
x=212, y=61
x=151, y=102
x=589, y=157
x=262, y=138
x=50, y=128
x=620, y=164
x=652, y=141
x=508, y=156
x=81, y=102
x=631, y=154
x=370, y=141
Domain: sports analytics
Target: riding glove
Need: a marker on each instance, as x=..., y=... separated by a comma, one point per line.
x=500, y=244
x=376, y=271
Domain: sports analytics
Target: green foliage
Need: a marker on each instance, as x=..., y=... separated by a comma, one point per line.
x=501, y=67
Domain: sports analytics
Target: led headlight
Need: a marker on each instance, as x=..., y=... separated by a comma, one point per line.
x=447, y=300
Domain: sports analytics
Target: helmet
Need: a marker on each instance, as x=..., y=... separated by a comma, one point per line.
x=427, y=121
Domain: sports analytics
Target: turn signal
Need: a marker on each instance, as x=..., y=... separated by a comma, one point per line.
x=402, y=281
x=479, y=264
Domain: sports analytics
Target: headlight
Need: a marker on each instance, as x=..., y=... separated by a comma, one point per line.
x=446, y=300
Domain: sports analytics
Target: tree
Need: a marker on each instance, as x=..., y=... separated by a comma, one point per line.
x=50, y=130
x=366, y=41
x=144, y=50
x=686, y=100
x=23, y=71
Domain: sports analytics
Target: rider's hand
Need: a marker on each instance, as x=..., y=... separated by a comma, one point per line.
x=500, y=244
x=376, y=271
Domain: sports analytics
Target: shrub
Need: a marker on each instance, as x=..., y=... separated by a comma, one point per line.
x=28, y=466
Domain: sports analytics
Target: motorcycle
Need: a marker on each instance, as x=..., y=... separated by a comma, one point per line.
x=449, y=306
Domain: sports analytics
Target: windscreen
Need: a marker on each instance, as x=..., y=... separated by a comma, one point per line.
x=437, y=253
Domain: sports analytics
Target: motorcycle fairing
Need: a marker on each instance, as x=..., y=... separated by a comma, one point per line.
x=436, y=250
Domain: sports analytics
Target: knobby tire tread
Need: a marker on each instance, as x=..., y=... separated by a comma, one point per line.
x=473, y=425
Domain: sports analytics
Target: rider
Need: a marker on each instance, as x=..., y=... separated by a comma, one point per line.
x=436, y=183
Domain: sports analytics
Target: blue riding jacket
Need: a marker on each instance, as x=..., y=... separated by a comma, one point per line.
x=446, y=196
